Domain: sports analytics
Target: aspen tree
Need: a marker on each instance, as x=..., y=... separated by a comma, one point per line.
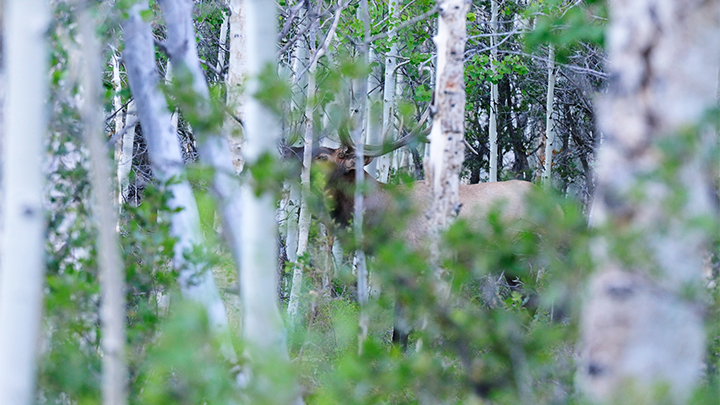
x=549, y=121
x=642, y=325
x=292, y=201
x=262, y=324
x=304, y=216
x=21, y=272
x=222, y=46
x=174, y=116
x=373, y=109
x=291, y=208
x=195, y=279
x=213, y=148
x=235, y=79
x=358, y=137
x=124, y=145
x=110, y=263
x=447, y=133
x=492, y=128
x=124, y=155
x=389, y=89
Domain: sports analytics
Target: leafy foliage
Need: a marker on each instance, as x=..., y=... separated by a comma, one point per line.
x=508, y=333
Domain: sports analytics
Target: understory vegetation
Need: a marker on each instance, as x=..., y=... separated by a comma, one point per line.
x=505, y=331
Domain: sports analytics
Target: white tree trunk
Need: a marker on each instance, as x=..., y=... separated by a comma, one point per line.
x=174, y=116
x=213, y=149
x=389, y=87
x=123, y=163
x=300, y=61
x=222, y=45
x=292, y=218
x=195, y=279
x=237, y=63
x=262, y=324
x=642, y=323
x=110, y=264
x=448, y=130
x=21, y=273
x=304, y=216
x=492, y=130
x=372, y=113
x=398, y=155
x=292, y=208
x=549, y=121
x=124, y=149
x=358, y=135
x=237, y=72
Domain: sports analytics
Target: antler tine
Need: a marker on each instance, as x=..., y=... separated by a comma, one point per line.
x=415, y=136
x=344, y=135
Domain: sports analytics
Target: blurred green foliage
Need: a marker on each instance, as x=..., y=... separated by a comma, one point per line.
x=508, y=333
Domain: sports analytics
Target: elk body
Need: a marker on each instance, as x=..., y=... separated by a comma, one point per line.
x=477, y=200
x=383, y=205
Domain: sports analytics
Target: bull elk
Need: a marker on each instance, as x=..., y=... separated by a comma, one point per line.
x=476, y=200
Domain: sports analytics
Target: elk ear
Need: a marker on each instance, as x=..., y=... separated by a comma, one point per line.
x=349, y=163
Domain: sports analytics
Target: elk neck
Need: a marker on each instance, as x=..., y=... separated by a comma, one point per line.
x=341, y=188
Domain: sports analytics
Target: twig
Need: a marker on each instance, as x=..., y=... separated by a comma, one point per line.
x=470, y=147
x=294, y=39
x=326, y=43
x=496, y=46
x=119, y=134
x=289, y=20
x=574, y=68
x=211, y=67
x=111, y=116
x=403, y=25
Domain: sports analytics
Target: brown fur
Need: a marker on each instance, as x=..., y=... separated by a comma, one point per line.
x=477, y=200
x=385, y=206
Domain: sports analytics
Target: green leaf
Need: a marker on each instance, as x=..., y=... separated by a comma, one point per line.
x=146, y=15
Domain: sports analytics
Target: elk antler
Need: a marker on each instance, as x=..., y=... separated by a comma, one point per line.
x=415, y=136
x=344, y=135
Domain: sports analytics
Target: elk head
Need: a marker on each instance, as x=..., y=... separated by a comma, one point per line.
x=338, y=162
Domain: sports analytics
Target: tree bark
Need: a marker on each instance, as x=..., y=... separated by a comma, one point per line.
x=292, y=219
x=123, y=151
x=362, y=275
x=549, y=121
x=222, y=45
x=124, y=156
x=492, y=128
x=642, y=323
x=195, y=278
x=262, y=324
x=174, y=116
x=389, y=87
x=213, y=149
x=110, y=264
x=235, y=80
x=447, y=133
x=372, y=112
x=304, y=216
x=299, y=80
x=21, y=273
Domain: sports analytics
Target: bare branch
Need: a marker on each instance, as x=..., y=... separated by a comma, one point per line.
x=406, y=24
